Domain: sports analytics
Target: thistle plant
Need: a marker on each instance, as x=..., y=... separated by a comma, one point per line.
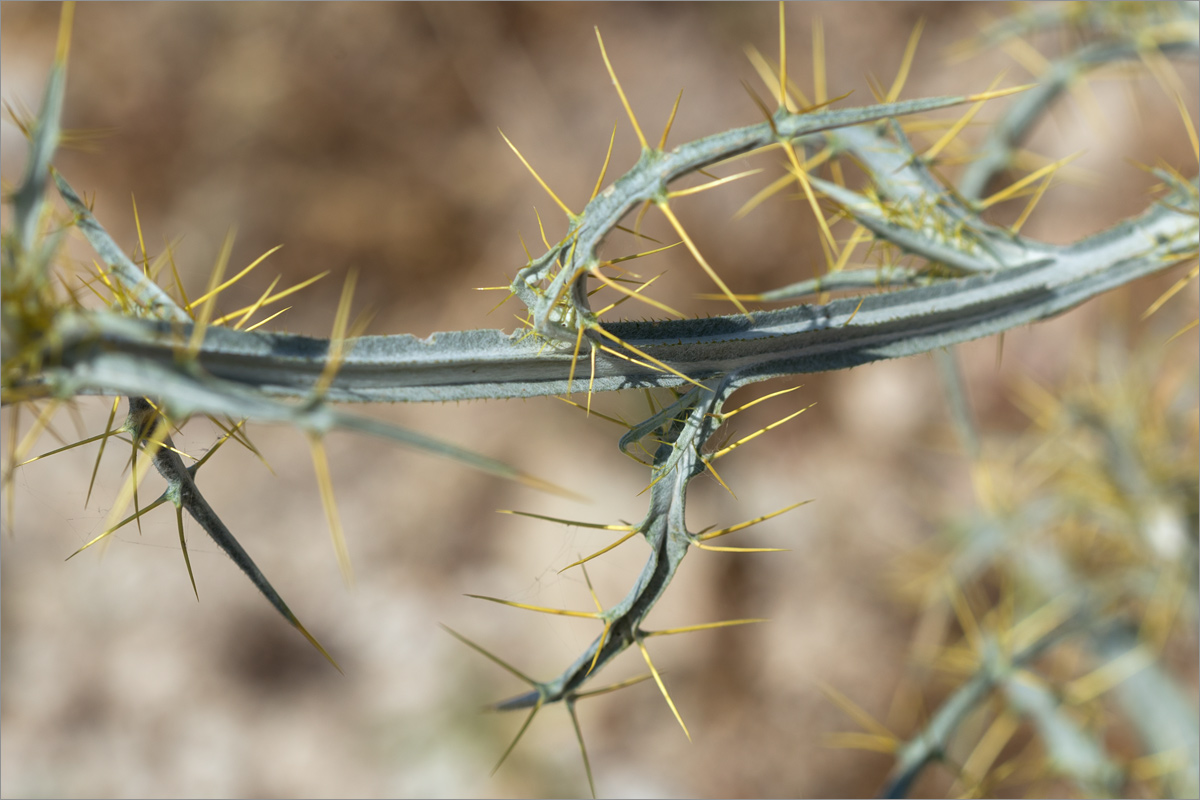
x=914, y=263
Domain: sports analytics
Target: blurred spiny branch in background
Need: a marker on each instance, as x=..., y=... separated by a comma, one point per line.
x=1055, y=601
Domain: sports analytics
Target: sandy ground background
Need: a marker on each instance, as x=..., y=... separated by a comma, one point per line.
x=364, y=136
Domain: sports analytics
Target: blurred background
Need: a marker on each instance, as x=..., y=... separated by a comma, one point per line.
x=364, y=136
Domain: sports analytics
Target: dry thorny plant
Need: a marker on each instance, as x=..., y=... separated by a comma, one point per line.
x=1060, y=592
